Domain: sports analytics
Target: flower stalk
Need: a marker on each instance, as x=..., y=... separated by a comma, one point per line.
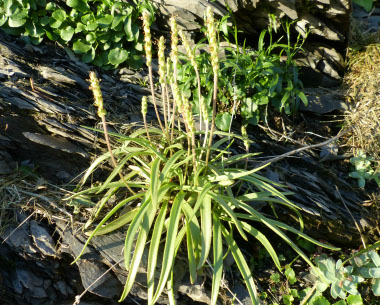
x=211, y=35
x=98, y=102
x=148, y=53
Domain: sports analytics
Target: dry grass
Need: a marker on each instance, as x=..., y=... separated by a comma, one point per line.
x=362, y=84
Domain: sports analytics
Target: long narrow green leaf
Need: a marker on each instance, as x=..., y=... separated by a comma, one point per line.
x=218, y=258
x=242, y=265
x=235, y=175
x=116, y=171
x=133, y=228
x=103, y=221
x=153, y=250
x=170, y=243
x=190, y=254
x=100, y=205
x=155, y=181
x=169, y=287
x=295, y=231
x=171, y=163
x=117, y=223
x=264, y=241
x=195, y=230
x=229, y=212
x=206, y=229
x=138, y=251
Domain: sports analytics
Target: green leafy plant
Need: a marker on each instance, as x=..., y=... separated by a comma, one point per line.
x=366, y=4
x=105, y=32
x=363, y=169
x=249, y=80
x=343, y=278
x=183, y=190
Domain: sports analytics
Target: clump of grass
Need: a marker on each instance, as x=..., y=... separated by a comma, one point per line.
x=362, y=84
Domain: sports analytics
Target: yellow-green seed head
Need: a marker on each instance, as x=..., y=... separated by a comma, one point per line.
x=204, y=109
x=189, y=52
x=161, y=60
x=177, y=96
x=98, y=98
x=144, y=106
x=174, y=37
x=147, y=38
x=189, y=115
x=213, y=42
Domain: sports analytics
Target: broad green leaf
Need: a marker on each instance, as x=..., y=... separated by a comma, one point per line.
x=354, y=300
x=303, y=97
x=118, y=19
x=320, y=300
x=223, y=121
x=374, y=257
x=59, y=15
x=44, y=20
x=242, y=265
x=91, y=37
x=80, y=5
x=81, y=46
x=18, y=19
x=366, y=4
x=135, y=61
x=105, y=20
x=167, y=261
x=340, y=302
x=128, y=28
x=67, y=33
x=218, y=258
x=89, y=56
x=376, y=287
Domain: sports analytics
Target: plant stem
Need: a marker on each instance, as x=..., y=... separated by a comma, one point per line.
x=111, y=154
x=154, y=98
x=213, y=116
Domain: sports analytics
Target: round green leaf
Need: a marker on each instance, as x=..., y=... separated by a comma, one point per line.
x=105, y=21
x=52, y=36
x=89, y=56
x=59, y=15
x=117, y=20
x=117, y=56
x=91, y=37
x=135, y=61
x=223, y=120
x=376, y=287
x=45, y=20
x=91, y=25
x=354, y=300
x=80, y=27
x=80, y=5
x=321, y=300
x=67, y=33
x=81, y=46
x=17, y=20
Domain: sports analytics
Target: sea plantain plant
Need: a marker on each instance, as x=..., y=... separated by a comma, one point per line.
x=182, y=187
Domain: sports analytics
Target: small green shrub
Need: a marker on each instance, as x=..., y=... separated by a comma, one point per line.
x=105, y=32
x=363, y=170
x=343, y=278
x=249, y=80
